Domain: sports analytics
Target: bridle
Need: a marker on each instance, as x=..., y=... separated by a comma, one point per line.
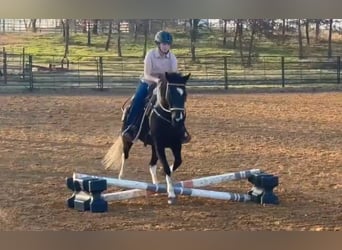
x=160, y=104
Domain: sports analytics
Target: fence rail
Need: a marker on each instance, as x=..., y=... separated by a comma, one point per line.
x=51, y=71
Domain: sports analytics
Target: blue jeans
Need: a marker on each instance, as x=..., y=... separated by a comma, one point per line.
x=138, y=103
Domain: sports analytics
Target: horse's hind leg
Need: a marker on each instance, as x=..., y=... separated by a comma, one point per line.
x=126, y=148
x=153, y=165
x=122, y=166
x=170, y=190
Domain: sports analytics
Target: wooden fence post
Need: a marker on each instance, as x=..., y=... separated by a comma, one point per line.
x=4, y=64
x=338, y=69
x=30, y=73
x=23, y=63
x=282, y=71
x=101, y=73
x=225, y=61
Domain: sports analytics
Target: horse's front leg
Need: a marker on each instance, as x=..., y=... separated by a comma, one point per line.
x=170, y=190
x=176, y=150
x=153, y=165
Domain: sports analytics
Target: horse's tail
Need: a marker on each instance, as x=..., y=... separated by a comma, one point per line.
x=113, y=158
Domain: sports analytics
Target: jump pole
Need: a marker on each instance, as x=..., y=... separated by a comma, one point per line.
x=161, y=188
x=194, y=183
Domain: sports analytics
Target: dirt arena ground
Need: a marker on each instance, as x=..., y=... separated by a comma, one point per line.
x=45, y=137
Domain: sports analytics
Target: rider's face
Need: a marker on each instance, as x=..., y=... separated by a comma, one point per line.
x=164, y=47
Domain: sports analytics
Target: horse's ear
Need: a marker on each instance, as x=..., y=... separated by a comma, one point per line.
x=187, y=76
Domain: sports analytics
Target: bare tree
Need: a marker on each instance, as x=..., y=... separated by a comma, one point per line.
x=89, y=34
x=283, y=30
x=318, y=23
x=95, y=27
x=329, y=39
x=146, y=27
x=66, y=32
x=253, y=25
x=119, y=39
x=239, y=34
x=193, y=37
x=307, y=31
x=135, y=25
x=300, y=40
x=84, y=26
x=109, y=35
x=238, y=31
x=34, y=25
x=225, y=32
x=25, y=23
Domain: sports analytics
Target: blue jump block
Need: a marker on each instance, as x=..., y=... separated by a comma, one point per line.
x=87, y=194
x=262, y=192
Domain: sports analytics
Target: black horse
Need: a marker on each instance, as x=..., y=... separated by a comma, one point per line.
x=162, y=127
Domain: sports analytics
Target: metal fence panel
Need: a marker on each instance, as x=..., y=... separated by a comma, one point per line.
x=52, y=71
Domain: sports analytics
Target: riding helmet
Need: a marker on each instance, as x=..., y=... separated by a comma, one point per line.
x=163, y=37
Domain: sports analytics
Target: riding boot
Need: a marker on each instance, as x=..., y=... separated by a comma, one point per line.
x=130, y=132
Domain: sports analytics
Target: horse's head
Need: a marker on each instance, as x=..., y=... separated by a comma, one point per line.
x=173, y=96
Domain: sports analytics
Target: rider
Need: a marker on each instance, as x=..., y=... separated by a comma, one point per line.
x=157, y=62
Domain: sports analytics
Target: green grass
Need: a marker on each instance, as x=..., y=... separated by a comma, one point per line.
x=209, y=44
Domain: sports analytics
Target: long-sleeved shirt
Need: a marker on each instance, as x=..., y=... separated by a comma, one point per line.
x=156, y=64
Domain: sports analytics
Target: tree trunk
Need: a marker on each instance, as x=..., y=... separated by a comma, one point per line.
x=149, y=26
x=34, y=25
x=318, y=22
x=330, y=34
x=135, y=31
x=224, y=32
x=307, y=32
x=63, y=27
x=119, y=39
x=89, y=34
x=25, y=23
x=84, y=26
x=283, y=30
x=193, y=37
x=109, y=35
x=237, y=30
x=75, y=26
x=95, y=27
x=145, y=37
x=66, y=38
x=240, y=42
x=103, y=23
x=300, y=39
x=250, y=49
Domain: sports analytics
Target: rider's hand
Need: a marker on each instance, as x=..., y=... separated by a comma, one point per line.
x=162, y=79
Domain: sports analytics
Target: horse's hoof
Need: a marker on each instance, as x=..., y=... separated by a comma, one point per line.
x=172, y=201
